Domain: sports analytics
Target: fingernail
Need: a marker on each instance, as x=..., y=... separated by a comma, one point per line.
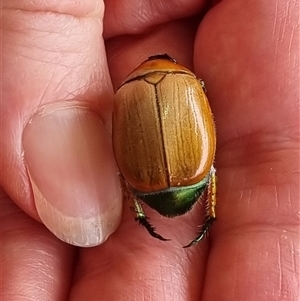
x=73, y=173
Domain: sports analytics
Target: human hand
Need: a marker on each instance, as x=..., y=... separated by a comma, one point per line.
x=54, y=59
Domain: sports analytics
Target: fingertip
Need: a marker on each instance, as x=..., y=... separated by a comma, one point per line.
x=73, y=174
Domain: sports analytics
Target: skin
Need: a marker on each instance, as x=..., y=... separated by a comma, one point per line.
x=247, y=53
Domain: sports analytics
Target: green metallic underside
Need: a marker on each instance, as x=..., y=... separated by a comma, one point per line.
x=174, y=201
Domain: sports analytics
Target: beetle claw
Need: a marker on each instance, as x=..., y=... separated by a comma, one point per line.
x=203, y=232
x=143, y=221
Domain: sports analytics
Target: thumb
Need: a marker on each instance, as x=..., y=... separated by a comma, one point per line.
x=56, y=156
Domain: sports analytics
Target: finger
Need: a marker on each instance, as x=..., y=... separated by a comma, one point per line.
x=34, y=264
x=125, y=17
x=126, y=52
x=247, y=55
x=137, y=266
x=57, y=161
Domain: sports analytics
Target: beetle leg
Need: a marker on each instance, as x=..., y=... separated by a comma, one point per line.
x=202, y=83
x=210, y=208
x=142, y=219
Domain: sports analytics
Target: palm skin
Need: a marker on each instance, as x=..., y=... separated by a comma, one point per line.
x=247, y=55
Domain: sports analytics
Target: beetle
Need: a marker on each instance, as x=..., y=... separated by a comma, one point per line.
x=164, y=141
